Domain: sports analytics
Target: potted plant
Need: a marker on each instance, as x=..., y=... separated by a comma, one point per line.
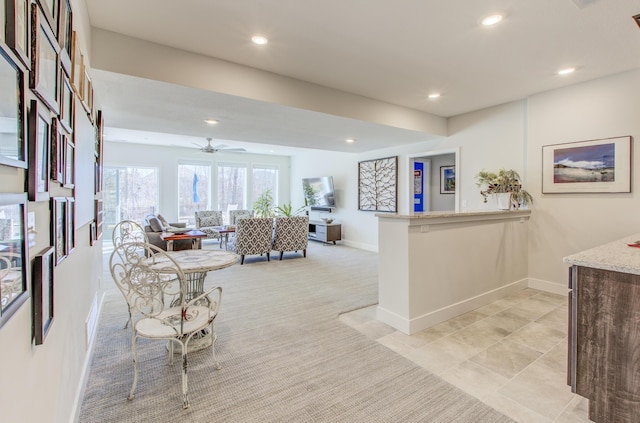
x=506, y=183
x=286, y=210
x=263, y=206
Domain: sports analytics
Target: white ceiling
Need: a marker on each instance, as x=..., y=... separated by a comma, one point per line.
x=392, y=51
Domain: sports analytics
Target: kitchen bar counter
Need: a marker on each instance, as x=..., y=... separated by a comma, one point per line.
x=616, y=256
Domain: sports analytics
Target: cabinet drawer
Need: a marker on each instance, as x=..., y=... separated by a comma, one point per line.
x=321, y=229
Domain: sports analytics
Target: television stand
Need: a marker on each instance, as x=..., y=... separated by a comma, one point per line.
x=325, y=232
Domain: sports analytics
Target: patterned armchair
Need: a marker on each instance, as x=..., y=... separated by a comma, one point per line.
x=234, y=215
x=253, y=236
x=206, y=220
x=291, y=234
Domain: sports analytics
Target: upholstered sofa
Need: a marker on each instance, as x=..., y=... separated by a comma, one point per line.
x=155, y=224
x=206, y=220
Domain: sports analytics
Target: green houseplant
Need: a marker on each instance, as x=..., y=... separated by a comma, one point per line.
x=286, y=210
x=263, y=206
x=504, y=182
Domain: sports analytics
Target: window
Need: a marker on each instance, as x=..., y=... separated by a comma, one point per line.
x=232, y=186
x=130, y=193
x=264, y=177
x=194, y=190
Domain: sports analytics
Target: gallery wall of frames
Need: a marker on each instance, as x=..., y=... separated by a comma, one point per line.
x=43, y=76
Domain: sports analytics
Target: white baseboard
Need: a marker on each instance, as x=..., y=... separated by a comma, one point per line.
x=410, y=326
x=93, y=318
x=552, y=287
x=361, y=246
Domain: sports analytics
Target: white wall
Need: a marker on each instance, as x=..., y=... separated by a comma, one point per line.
x=563, y=224
x=42, y=383
x=166, y=160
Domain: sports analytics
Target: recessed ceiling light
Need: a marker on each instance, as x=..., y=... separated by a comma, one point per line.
x=434, y=95
x=566, y=71
x=211, y=121
x=491, y=20
x=350, y=140
x=259, y=39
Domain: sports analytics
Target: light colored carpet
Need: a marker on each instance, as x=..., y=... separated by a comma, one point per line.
x=285, y=356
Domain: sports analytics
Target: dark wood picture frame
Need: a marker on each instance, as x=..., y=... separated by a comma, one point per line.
x=99, y=216
x=59, y=228
x=67, y=103
x=93, y=235
x=14, y=254
x=49, y=8
x=65, y=30
x=86, y=88
x=18, y=29
x=69, y=163
x=44, y=61
x=8, y=67
x=71, y=224
x=58, y=143
x=39, y=148
x=43, y=293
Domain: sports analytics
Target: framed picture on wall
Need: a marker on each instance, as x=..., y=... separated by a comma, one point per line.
x=69, y=163
x=44, y=61
x=67, y=103
x=594, y=166
x=65, y=29
x=17, y=31
x=377, y=184
x=58, y=142
x=71, y=224
x=76, y=65
x=42, y=287
x=14, y=269
x=447, y=179
x=39, y=147
x=59, y=228
x=49, y=9
x=12, y=86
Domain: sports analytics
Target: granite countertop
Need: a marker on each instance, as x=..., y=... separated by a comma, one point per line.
x=616, y=256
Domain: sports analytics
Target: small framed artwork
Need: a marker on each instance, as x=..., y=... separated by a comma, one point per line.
x=98, y=218
x=17, y=31
x=99, y=135
x=93, y=236
x=14, y=258
x=44, y=62
x=71, y=224
x=59, y=228
x=67, y=103
x=39, y=147
x=594, y=166
x=76, y=65
x=378, y=184
x=87, y=100
x=13, y=148
x=447, y=179
x=42, y=287
x=58, y=143
x=65, y=29
x=69, y=163
x=49, y=9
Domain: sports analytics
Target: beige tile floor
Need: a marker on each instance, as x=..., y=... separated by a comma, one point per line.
x=510, y=354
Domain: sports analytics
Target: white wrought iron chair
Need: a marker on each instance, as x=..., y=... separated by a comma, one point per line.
x=155, y=289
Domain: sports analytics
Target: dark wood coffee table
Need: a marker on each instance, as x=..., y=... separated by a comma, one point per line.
x=194, y=235
x=225, y=230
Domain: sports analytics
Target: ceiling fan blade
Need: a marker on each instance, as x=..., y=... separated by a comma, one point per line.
x=234, y=149
x=219, y=147
x=198, y=145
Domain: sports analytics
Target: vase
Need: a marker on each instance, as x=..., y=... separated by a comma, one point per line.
x=504, y=200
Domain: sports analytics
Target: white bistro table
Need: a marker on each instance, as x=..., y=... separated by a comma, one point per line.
x=196, y=264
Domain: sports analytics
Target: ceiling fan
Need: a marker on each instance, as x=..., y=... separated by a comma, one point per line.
x=211, y=149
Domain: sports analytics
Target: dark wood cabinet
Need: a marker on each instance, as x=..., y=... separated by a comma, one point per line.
x=325, y=232
x=604, y=342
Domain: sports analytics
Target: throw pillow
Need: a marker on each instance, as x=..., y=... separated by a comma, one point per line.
x=163, y=221
x=155, y=224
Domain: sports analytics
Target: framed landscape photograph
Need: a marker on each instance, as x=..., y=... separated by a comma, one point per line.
x=447, y=179
x=17, y=33
x=13, y=147
x=42, y=287
x=59, y=228
x=595, y=166
x=44, y=61
x=39, y=147
x=14, y=269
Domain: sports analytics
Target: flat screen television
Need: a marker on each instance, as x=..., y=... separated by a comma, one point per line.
x=318, y=192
